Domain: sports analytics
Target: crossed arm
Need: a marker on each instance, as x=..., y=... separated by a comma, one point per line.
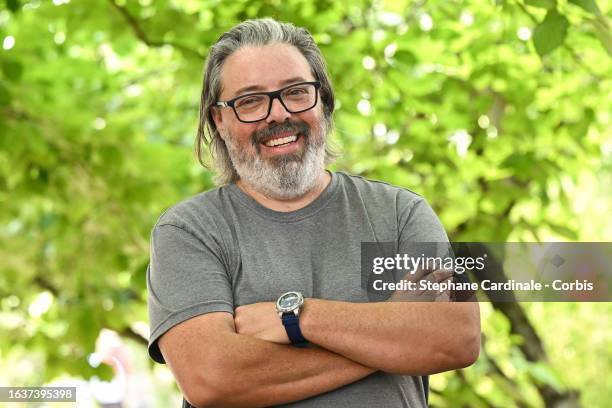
x=217, y=367
x=246, y=360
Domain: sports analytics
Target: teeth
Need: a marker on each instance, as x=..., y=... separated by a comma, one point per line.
x=283, y=140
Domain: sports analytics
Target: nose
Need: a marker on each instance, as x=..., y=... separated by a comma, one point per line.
x=278, y=113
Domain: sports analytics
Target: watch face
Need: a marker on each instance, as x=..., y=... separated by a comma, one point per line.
x=288, y=301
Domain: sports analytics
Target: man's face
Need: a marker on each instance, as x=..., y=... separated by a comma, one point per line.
x=287, y=170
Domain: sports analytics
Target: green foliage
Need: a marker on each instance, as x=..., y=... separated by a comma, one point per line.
x=547, y=4
x=550, y=33
x=588, y=5
x=497, y=112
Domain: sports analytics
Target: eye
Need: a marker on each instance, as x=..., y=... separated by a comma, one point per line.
x=297, y=91
x=249, y=101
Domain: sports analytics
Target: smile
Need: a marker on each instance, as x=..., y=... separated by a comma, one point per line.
x=281, y=141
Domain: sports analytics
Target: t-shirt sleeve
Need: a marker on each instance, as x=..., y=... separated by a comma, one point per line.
x=186, y=277
x=419, y=223
x=422, y=234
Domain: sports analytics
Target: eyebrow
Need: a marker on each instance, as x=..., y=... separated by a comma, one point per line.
x=261, y=88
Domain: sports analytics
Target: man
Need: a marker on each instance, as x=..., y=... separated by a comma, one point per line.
x=281, y=223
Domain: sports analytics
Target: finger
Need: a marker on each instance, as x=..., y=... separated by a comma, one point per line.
x=445, y=296
x=442, y=274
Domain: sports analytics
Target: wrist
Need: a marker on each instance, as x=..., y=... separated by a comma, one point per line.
x=308, y=317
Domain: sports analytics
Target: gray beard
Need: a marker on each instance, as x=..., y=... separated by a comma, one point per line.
x=285, y=177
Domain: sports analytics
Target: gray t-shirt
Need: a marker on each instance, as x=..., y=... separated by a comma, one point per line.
x=221, y=249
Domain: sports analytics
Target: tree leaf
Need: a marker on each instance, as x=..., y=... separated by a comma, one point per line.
x=602, y=32
x=406, y=57
x=547, y=4
x=587, y=5
x=13, y=5
x=5, y=95
x=550, y=33
x=12, y=70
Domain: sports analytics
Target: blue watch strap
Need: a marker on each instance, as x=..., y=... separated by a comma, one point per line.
x=292, y=326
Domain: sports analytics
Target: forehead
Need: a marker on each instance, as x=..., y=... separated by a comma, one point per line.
x=263, y=68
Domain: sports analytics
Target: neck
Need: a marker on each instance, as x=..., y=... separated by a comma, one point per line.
x=291, y=204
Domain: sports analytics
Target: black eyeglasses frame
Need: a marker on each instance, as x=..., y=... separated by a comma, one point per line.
x=272, y=95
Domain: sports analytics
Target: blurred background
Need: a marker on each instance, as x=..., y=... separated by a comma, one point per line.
x=498, y=112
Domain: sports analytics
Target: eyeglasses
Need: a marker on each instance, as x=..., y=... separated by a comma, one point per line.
x=254, y=107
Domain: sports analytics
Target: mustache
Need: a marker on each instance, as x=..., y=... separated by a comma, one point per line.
x=294, y=126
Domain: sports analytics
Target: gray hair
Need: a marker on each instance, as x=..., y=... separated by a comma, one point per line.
x=258, y=32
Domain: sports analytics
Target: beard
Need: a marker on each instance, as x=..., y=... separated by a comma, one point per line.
x=285, y=176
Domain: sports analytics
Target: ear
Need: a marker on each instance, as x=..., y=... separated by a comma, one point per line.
x=217, y=118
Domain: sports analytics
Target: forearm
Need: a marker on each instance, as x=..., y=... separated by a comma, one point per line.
x=249, y=372
x=412, y=338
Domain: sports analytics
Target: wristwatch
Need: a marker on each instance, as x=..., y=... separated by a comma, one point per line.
x=288, y=307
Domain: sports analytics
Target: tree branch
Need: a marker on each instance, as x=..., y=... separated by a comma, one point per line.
x=532, y=346
x=144, y=37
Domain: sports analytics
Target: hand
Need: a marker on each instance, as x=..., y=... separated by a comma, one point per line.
x=441, y=276
x=260, y=320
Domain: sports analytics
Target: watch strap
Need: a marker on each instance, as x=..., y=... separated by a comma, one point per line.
x=292, y=326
